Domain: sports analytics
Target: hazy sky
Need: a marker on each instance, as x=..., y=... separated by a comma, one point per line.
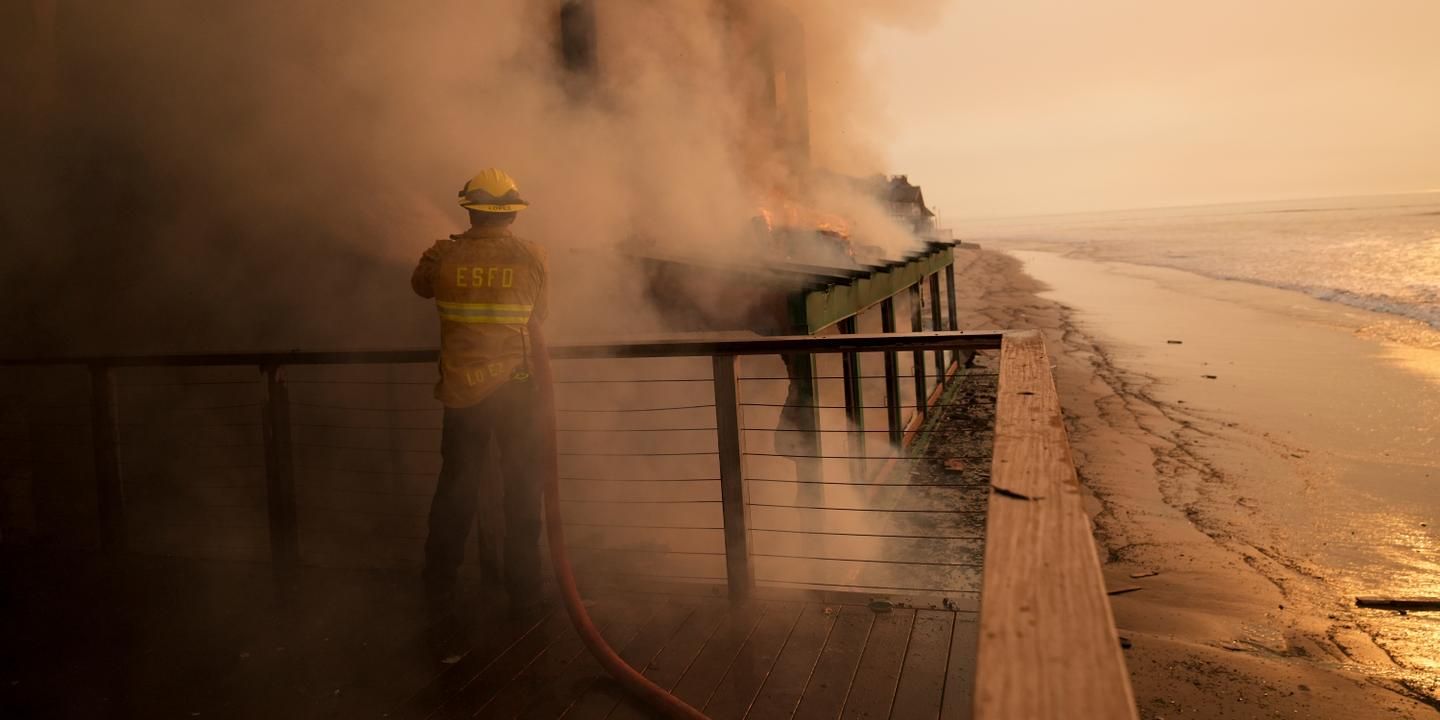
x=1040, y=106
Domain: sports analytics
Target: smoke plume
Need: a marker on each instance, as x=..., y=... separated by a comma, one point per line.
x=261, y=174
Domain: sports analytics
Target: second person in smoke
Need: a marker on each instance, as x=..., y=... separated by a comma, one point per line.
x=490, y=291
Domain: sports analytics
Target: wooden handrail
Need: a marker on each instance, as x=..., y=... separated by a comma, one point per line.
x=1047, y=642
x=581, y=351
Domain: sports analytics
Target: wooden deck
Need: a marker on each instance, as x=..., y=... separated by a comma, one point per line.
x=167, y=637
x=784, y=655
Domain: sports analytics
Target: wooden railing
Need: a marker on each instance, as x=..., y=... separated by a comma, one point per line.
x=277, y=432
x=1047, y=644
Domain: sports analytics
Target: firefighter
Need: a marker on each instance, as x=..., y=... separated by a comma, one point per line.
x=490, y=291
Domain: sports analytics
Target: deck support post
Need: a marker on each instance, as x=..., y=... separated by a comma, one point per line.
x=854, y=402
x=935, y=325
x=953, y=308
x=894, y=422
x=917, y=325
x=739, y=573
x=109, y=486
x=280, y=472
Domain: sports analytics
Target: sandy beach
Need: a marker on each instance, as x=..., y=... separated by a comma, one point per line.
x=1256, y=458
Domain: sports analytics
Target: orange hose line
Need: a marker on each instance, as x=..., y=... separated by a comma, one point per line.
x=639, y=686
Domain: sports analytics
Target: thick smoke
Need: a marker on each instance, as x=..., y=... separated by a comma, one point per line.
x=259, y=174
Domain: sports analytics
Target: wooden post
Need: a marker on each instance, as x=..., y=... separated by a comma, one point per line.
x=854, y=401
x=280, y=472
x=738, y=572
x=954, y=319
x=110, y=488
x=892, y=377
x=935, y=325
x=917, y=325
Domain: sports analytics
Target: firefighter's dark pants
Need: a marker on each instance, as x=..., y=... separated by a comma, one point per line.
x=468, y=461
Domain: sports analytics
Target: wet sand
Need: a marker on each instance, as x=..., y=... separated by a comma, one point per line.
x=1274, y=460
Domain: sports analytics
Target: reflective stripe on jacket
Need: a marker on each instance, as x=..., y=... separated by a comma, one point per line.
x=488, y=286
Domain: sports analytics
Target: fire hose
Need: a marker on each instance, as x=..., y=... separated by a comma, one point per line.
x=639, y=686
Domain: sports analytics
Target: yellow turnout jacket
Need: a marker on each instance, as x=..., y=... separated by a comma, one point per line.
x=488, y=287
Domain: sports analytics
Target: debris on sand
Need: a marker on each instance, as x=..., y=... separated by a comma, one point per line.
x=1123, y=589
x=1398, y=603
x=1210, y=377
x=1144, y=574
x=1175, y=342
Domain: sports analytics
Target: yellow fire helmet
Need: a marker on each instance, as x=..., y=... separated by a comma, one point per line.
x=492, y=191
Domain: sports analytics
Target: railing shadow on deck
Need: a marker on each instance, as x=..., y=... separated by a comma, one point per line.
x=1047, y=643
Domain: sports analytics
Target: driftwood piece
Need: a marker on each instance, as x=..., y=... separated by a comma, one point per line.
x=1398, y=603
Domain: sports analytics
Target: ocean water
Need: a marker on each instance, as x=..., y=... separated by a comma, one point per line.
x=1376, y=253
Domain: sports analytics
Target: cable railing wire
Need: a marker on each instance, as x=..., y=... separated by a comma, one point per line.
x=188, y=383
x=325, y=426
x=920, y=431
x=885, y=536
x=867, y=510
x=868, y=457
x=341, y=446
x=612, y=526
x=590, y=501
x=639, y=454
x=640, y=480
x=365, y=471
x=642, y=551
x=872, y=486
x=607, y=411
x=926, y=563
x=847, y=407
x=363, y=408
x=635, y=430
x=861, y=377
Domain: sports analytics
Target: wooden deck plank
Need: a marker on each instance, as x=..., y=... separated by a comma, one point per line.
x=576, y=681
x=825, y=693
x=450, y=680
x=603, y=695
x=1048, y=646
x=542, y=677
x=504, y=668
x=669, y=666
x=922, y=677
x=780, y=695
x=873, y=692
x=959, y=700
x=731, y=699
x=719, y=654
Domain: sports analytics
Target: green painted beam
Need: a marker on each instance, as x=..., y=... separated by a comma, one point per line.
x=833, y=303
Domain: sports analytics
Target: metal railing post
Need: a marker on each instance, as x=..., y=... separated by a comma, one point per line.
x=917, y=325
x=280, y=471
x=105, y=426
x=854, y=400
x=738, y=571
x=935, y=325
x=954, y=319
x=892, y=376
